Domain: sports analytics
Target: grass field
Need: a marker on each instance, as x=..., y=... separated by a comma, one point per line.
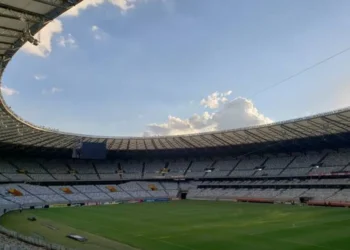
x=192, y=225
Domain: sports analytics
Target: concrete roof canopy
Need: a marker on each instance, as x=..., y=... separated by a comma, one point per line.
x=21, y=19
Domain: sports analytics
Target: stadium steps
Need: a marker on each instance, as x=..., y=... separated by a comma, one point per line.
x=166, y=192
x=234, y=167
x=59, y=194
x=47, y=171
x=288, y=164
x=263, y=164
x=143, y=170
x=70, y=169
x=189, y=166
x=4, y=176
x=322, y=158
x=318, y=162
x=3, y=197
x=141, y=188
x=345, y=167
x=15, y=166
x=96, y=172
x=107, y=193
x=22, y=187
x=301, y=194
x=160, y=184
x=211, y=166
x=340, y=189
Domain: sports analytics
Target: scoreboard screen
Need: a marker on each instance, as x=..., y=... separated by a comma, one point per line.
x=93, y=151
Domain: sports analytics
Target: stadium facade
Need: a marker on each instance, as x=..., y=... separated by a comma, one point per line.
x=307, y=158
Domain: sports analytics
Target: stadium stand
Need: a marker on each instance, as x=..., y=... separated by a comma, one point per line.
x=131, y=170
x=307, y=157
x=10, y=243
x=315, y=164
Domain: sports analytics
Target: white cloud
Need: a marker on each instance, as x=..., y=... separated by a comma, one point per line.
x=123, y=5
x=98, y=33
x=67, y=41
x=56, y=90
x=214, y=100
x=53, y=90
x=8, y=91
x=55, y=27
x=94, y=28
x=237, y=113
x=45, y=37
x=39, y=77
x=74, y=11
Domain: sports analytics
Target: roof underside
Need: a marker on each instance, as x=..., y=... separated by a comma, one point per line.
x=18, y=16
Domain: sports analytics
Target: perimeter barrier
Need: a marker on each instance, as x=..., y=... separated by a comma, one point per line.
x=328, y=203
x=256, y=200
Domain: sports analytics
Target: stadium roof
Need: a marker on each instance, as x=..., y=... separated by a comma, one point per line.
x=21, y=18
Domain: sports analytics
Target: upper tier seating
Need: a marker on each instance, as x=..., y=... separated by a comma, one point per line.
x=154, y=167
x=65, y=177
x=222, y=168
x=306, y=161
x=82, y=167
x=278, y=162
x=6, y=167
x=249, y=164
x=314, y=164
x=30, y=166
x=87, y=177
x=106, y=167
x=132, y=170
x=41, y=177
x=178, y=167
x=17, y=177
x=56, y=167
x=340, y=159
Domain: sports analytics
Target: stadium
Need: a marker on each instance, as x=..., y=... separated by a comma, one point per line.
x=282, y=185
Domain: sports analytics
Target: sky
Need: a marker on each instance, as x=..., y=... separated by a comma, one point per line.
x=166, y=67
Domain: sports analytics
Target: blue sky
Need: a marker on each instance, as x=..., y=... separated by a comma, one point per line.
x=120, y=71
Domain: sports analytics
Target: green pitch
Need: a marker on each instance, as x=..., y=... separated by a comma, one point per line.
x=191, y=225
